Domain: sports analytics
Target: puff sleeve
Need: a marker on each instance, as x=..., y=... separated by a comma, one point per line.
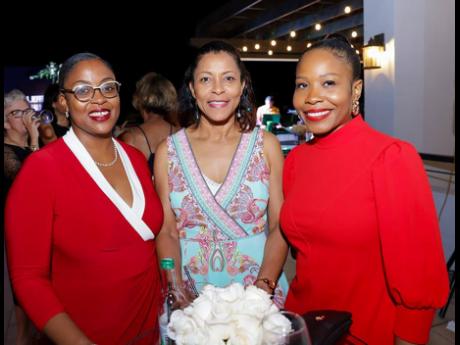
x=411, y=245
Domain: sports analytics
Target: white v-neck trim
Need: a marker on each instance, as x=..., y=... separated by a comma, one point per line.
x=213, y=185
x=132, y=214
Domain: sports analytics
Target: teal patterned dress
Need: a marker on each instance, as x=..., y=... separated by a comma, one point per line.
x=222, y=235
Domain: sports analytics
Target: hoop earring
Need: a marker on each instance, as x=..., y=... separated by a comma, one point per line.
x=355, y=108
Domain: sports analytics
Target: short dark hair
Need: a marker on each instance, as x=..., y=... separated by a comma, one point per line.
x=340, y=47
x=69, y=64
x=246, y=108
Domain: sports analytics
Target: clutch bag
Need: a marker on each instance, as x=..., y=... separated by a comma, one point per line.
x=327, y=327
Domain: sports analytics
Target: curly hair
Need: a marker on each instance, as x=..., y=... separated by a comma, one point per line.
x=246, y=107
x=156, y=94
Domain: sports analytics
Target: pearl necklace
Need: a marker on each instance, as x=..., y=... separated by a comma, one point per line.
x=112, y=162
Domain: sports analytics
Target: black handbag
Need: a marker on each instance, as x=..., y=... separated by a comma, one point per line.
x=327, y=327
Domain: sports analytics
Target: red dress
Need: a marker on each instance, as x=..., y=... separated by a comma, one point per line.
x=71, y=250
x=359, y=211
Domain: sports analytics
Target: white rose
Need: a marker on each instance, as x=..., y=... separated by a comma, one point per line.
x=209, y=291
x=275, y=326
x=218, y=332
x=247, y=331
x=272, y=310
x=201, y=308
x=180, y=325
x=231, y=293
x=255, y=302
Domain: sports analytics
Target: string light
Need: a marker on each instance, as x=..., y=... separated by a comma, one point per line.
x=288, y=48
x=273, y=43
x=257, y=46
x=270, y=52
x=347, y=9
x=292, y=33
x=354, y=34
x=245, y=49
x=308, y=45
x=317, y=26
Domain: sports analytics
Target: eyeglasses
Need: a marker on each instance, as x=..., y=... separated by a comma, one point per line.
x=17, y=113
x=85, y=93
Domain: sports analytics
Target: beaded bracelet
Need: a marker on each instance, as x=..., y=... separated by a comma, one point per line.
x=270, y=283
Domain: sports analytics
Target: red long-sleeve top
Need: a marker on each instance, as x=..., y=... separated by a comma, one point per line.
x=359, y=211
x=71, y=250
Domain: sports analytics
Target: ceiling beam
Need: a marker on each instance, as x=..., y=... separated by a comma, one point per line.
x=297, y=47
x=230, y=9
x=342, y=24
x=285, y=9
x=323, y=15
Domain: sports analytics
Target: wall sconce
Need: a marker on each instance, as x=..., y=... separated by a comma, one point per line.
x=373, y=51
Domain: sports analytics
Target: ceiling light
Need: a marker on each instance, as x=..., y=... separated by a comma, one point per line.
x=292, y=34
x=245, y=49
x=288, y=48
x=317, y=26
x=273, y=43
x=257, y=46
x=347, y=9
x=354, y=34
x=270, y=52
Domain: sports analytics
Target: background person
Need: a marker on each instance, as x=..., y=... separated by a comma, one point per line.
x=156, y=100
x=268, y=108
x=20, y=139
x=359, y=211
x=83, y=262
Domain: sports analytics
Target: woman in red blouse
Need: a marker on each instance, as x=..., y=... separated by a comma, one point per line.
x=81, y=218
x=359, y=211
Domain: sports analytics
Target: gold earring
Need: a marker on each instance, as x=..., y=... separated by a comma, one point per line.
x=355, y=107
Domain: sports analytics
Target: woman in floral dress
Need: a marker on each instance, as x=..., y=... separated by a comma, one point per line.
x=219, y=181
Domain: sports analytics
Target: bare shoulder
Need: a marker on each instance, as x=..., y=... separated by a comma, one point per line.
x=162, y=149
x=271, y=142
x=129, y=136
x=272, y=149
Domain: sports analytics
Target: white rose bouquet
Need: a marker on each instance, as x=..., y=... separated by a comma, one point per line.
x=229, y=316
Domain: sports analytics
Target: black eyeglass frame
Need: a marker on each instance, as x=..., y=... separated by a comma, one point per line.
x=118, y=84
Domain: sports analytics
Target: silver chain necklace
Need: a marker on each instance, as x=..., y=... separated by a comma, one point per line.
x=112, y=162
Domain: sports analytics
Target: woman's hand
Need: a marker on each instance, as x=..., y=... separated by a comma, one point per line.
x=32, y=125
x=264, y=286
x=183, y=297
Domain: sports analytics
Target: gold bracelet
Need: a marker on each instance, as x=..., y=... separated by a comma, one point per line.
x=33, y=148
x=270, y=283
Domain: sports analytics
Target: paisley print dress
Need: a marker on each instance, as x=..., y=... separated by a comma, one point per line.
x=222, y=235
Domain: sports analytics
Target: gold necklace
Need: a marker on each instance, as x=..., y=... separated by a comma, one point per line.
x=112, y=162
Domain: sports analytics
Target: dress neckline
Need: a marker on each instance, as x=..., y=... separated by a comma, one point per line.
x=341, y=135
x=232, y=162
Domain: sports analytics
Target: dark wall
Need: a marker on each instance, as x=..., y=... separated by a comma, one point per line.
x=275, y=79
